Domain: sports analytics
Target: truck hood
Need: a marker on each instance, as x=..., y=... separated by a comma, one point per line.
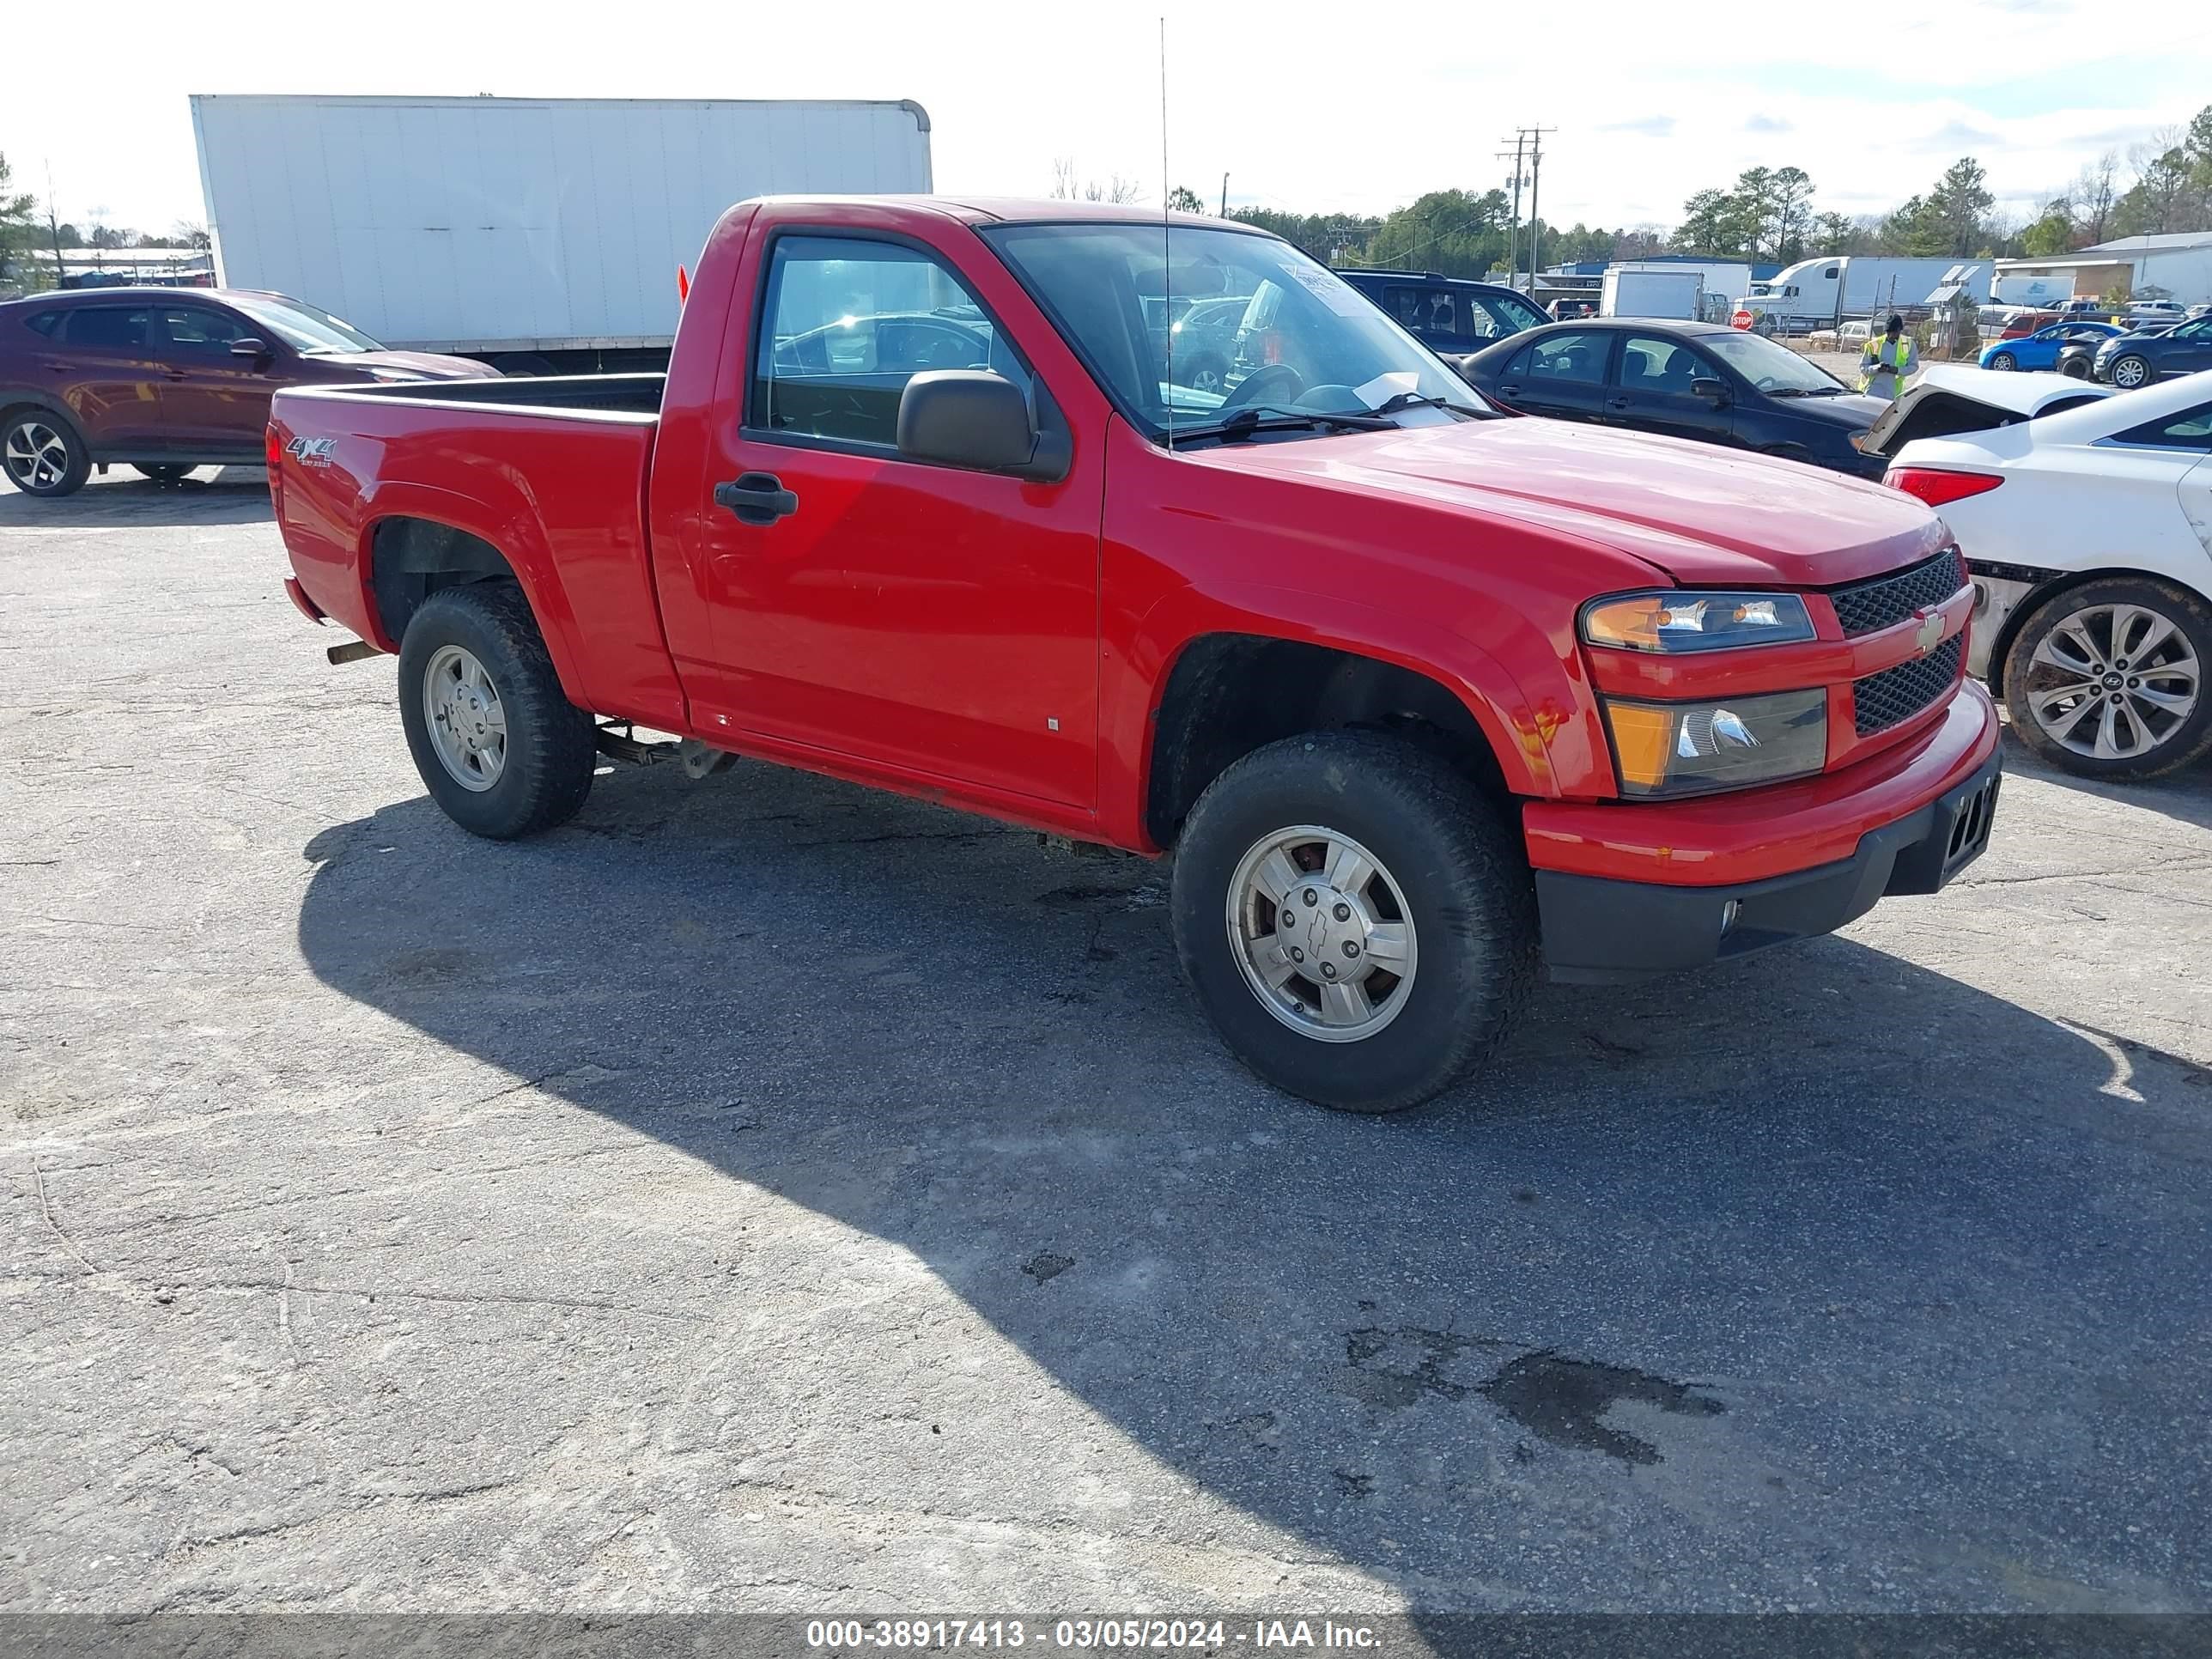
x=1702, y=515
x=422, y=365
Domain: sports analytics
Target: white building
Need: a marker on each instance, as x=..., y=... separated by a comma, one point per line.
x=2172, y=267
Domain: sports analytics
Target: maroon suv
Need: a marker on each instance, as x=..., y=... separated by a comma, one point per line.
x=166, y=380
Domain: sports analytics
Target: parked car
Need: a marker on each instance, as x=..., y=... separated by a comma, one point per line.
x=2041, y=349
x=2022, y=324
x=2084, y=529
x=2143, y=355
x=1447, y=315
x=1209, y=344
x=2153, y=311
x=1420, y=694
x=166, y=379
x=2078, y=360
x=1699, y=380
x=1565, y=311
x=1853, y=335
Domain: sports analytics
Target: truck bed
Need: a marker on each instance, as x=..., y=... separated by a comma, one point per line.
x=625, y=394
x=371, y=483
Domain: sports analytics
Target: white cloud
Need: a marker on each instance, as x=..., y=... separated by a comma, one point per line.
x=1306, y=113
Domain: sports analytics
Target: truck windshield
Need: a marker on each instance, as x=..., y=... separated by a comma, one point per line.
x=1769, y=366
x=302, y=327
x=1266, y=328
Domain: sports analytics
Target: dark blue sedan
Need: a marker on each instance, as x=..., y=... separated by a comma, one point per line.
x=1700, y=380
x=2041, y=349
x=2134, y=360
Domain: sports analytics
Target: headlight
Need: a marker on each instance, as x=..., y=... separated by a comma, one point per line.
x=1674, y=620
x=1694, y=748
x=1855, y=440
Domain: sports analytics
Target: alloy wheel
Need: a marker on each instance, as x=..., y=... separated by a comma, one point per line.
x=467, y=721
x=2113, y=682
x=1320, y=930
x=37, y=456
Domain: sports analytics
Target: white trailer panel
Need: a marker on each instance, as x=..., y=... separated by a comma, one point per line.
x=513, y=224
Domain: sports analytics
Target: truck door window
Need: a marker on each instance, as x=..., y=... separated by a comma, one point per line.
x=848, y=323
x=1426, y=313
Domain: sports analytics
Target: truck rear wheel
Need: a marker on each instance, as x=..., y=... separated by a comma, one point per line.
x=500, y=749
x=1357, y=920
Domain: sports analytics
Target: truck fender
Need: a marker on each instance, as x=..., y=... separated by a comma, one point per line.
x=1518, y=727
x=500, y=516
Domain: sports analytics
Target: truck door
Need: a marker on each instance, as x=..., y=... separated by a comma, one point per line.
x=1650, y=390
x=1560, y=374
x=928, y=618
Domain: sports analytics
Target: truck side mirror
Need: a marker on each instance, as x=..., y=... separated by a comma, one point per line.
x=249, y=346
x=968, y=417
x=1712, y=390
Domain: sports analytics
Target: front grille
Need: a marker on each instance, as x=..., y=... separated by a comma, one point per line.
x=1897, y=693
x=1869, y=606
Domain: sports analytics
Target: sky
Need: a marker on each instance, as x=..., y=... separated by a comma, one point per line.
x=1335, y=108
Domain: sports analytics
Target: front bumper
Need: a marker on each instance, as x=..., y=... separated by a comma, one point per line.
x=1604, y=928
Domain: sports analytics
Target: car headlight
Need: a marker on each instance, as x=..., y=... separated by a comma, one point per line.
x=1673, y=620
x=1694, y=748
x=1855, y=440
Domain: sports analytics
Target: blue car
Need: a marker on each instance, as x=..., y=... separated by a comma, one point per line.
x=2041, y=349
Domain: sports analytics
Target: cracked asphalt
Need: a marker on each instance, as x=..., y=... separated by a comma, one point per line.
x=764, y=1193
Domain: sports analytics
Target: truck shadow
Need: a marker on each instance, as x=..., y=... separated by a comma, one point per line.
x=212, y=495
x=1772, y=1267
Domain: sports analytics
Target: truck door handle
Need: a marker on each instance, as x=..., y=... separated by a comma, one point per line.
x=1619, y=403
x=1508, y=392
x=757, y=498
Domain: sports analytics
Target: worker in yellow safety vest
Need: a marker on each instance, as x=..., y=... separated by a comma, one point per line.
x=1884, y=363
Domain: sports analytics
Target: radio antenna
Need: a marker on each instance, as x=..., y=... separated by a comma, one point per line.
x=1167, y=251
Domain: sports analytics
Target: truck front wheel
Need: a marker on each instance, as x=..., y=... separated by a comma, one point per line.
x=502, y=751
x=1357, y=919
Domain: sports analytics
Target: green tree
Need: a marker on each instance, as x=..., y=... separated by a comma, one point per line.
x=1455, y=233
x=1960, y=206
x=2050, y=235
x=1181, y=199
x=1834, y=232
x=2159, y=199
x=1708, y=224
x=1793, y=212
x=18, y=224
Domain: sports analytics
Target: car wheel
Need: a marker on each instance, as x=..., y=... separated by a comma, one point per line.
x=42, y=454
x=163, y=474
x=1209, y=373
x=2107, y=679
x=2130, y=371
x=499, y=745
x=1356, y=918
x=2074, y=368
x=2004, y=362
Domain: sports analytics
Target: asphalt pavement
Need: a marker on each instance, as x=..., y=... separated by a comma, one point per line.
x=766, y=1194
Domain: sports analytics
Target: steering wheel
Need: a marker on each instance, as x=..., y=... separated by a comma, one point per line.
x=1277, y=383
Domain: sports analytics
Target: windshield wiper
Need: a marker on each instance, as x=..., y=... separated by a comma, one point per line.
x=1807, y=391
x=1260, y=418
x=1398, y=400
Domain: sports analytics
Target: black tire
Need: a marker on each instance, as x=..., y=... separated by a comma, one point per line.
x=2178, y=744
x=2004, y=361
x=551, y=749
x=1467, y=890
x=27, y=439
x=2132, y=365
x=524, y=365
x=165, y=473
x=2074, y=368
x=1208, y=365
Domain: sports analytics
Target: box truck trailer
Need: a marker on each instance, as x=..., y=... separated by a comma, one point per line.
x=540, y=234
x=1668, y=290
x=1823, y=293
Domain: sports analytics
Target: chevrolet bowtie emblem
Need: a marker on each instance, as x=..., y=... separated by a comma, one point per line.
x=1929, y=635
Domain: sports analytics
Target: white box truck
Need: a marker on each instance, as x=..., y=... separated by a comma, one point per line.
x=541, y=234
x=1668, y=290
x=1823, y=293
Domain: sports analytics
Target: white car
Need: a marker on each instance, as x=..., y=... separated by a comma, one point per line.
x=2086, y=521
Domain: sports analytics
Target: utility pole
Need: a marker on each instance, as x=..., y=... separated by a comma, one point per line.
x=1535, y=184
x=1224, y=196
x=1513, y=235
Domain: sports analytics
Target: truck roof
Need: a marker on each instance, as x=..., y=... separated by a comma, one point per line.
x=1035, y=210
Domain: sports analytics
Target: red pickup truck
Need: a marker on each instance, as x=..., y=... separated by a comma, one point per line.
x=1421, y=694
